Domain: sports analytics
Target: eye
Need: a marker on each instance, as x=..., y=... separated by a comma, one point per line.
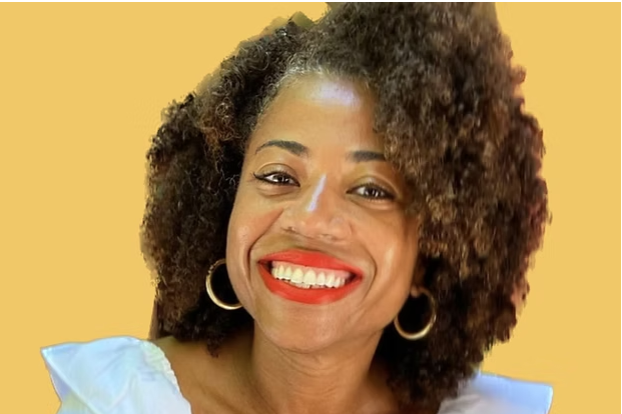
x=276, y=178
x=373, y=192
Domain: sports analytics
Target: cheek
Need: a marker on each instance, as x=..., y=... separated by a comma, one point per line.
x=394, y=249
x=394, y=255
x=397, y=263
x=250, y=220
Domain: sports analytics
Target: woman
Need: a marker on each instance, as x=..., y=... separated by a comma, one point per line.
x=371, y=186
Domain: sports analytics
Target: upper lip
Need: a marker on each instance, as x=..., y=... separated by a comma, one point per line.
x=311, y=258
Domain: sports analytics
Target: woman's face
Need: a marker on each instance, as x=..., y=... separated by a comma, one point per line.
x=320, y=250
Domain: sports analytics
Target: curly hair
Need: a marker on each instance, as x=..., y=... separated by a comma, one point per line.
x=453, y=125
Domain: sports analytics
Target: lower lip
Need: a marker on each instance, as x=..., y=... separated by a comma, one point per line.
x=308, y=296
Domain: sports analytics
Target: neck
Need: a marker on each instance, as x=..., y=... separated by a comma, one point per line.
x=336, y=380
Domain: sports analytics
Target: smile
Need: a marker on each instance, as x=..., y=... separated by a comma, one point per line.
x=308, y=277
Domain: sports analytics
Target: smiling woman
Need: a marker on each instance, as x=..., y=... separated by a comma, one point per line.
x=371, y=185
x=326, y=205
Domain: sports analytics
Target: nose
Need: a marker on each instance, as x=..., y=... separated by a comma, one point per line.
x=317, y=213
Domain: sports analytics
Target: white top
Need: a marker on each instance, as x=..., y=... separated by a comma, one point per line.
x=126, y=375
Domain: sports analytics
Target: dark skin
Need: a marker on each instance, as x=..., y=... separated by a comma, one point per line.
x=338, y=195
x=229, y=390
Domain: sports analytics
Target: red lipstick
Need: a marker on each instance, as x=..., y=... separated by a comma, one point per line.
x=312, y=296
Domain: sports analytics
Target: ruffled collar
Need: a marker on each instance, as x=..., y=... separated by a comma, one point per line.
x=126, y=375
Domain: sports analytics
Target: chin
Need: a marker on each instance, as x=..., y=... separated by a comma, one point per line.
x=300, y=337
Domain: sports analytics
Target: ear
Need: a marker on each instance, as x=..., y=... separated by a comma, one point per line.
x=418, y=275
x=519, y=295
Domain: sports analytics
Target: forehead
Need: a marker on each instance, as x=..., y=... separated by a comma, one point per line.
x=319, y=107
x=328, y=91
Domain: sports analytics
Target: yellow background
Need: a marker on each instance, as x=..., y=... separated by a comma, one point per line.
x=81, y=90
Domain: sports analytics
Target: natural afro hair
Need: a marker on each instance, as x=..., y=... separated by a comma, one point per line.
x=453, y=125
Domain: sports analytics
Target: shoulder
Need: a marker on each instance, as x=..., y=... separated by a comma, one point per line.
x=114, y=375
x=496, y=394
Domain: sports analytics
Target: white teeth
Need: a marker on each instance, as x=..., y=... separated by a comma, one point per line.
x=297, y=276
x=330, y=280
x=307, y=278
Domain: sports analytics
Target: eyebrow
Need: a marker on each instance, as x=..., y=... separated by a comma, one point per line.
x=294, y=147
x=362, y=156
x=300, y=150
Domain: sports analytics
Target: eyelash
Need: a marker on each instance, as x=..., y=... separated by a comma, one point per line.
x=386, y=194
x=264, y=178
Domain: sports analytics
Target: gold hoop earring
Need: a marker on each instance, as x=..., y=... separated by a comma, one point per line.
x=210, y=291
x=413, y=336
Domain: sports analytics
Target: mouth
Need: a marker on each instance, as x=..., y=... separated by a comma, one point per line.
x=304, y=277
x=308, y=277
